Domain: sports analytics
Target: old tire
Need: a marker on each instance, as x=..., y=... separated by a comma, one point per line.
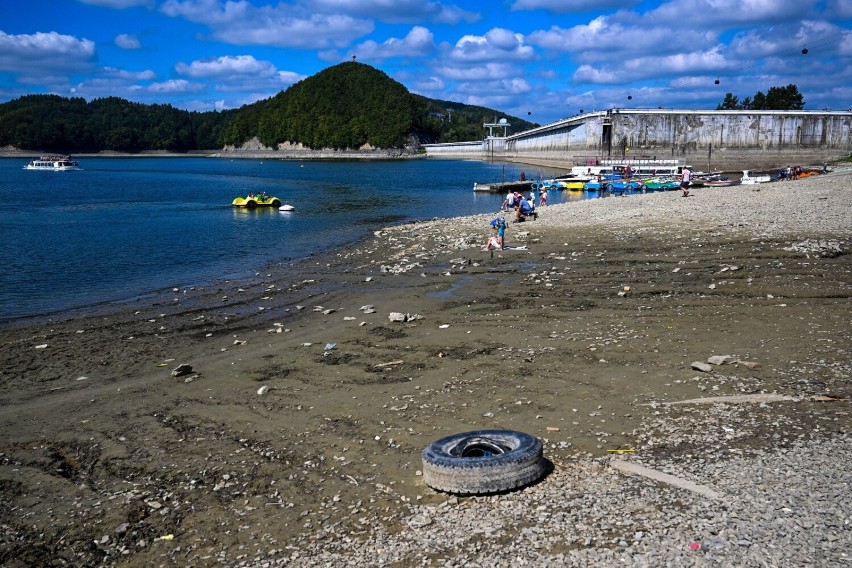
x=276, y=203
x=484, y=461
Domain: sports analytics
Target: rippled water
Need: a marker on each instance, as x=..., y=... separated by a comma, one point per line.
x=121, y=227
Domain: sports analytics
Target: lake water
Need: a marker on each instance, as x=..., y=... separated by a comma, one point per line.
x=121, y=227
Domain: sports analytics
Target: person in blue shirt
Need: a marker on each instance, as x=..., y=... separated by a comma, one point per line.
x=498, y=241
x=525, y=209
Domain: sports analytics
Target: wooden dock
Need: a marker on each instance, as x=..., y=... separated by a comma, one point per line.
x=503, y=186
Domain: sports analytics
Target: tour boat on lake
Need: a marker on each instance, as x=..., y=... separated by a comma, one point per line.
x=53, y=163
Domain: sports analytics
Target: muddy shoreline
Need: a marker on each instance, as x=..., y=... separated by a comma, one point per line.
x=577, y=337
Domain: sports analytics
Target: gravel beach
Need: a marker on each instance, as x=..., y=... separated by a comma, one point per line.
x=687, y=363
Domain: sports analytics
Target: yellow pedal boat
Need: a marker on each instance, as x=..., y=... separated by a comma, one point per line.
x=253, y=201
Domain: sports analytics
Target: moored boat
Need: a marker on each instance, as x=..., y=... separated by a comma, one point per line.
x=630, y=168
x=621, y=187
x=57, y=163
x=748, y=179
x=574, y=184
x=721, y=182
x=661, y=184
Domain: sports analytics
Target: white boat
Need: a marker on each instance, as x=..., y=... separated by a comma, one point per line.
x=639, y=168
x=751, y=180
x=286, y=207
x=53, y=163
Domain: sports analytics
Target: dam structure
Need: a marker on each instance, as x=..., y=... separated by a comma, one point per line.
x=710, y=140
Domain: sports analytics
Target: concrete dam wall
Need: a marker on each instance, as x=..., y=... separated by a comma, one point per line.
x=727, y=140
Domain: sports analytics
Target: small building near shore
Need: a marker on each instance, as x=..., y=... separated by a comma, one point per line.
x=711, y=139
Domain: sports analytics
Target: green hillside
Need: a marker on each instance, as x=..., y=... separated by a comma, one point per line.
x=345, y=106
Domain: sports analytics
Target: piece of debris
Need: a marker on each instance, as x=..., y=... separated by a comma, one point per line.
x=736, y=399
x=625, y=466
x=181, y=370
x=703, y=367
x=400, y=317
x=721, y=359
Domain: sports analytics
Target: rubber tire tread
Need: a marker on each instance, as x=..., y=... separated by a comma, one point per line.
x=523, y=464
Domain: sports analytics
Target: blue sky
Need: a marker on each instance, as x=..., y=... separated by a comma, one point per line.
x=539, y=59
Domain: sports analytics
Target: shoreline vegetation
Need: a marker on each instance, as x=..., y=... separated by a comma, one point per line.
x=295, y=437
x=306, y=154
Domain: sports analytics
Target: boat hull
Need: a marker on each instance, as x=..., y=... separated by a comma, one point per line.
x=255, y=202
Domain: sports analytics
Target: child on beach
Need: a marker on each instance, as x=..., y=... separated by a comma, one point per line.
x=496, y=240
x=543, y=200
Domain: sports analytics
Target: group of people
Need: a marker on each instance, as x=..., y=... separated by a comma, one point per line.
x=789, y=173
x=524, y=207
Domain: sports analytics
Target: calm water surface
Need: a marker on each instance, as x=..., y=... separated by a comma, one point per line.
x=122, y=227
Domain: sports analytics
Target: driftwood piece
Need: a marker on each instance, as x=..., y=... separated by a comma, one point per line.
x=625, y=466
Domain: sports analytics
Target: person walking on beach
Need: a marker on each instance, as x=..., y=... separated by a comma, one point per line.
x=685, y=178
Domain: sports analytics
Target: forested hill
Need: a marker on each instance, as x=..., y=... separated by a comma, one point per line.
x=349, y=105
x=353, y=104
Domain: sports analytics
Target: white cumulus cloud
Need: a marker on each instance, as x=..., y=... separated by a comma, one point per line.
x=127, y=41
x=49, y=51
x=282, y=25
x=496, y=45
x=175, y=86
x=239, y=72
x=397, y=11
x=419, y=42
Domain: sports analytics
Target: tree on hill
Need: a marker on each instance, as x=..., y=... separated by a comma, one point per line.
x=777, y=98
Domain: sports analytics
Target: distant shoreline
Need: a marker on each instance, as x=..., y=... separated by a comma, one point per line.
x=232, y=154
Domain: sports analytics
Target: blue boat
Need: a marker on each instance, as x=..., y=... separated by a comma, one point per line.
x=622, y=187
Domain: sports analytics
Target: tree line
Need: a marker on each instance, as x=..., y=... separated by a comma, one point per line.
x=54, y=123
x=776, y=98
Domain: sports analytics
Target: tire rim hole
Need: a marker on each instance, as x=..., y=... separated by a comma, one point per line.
x=479, y=449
